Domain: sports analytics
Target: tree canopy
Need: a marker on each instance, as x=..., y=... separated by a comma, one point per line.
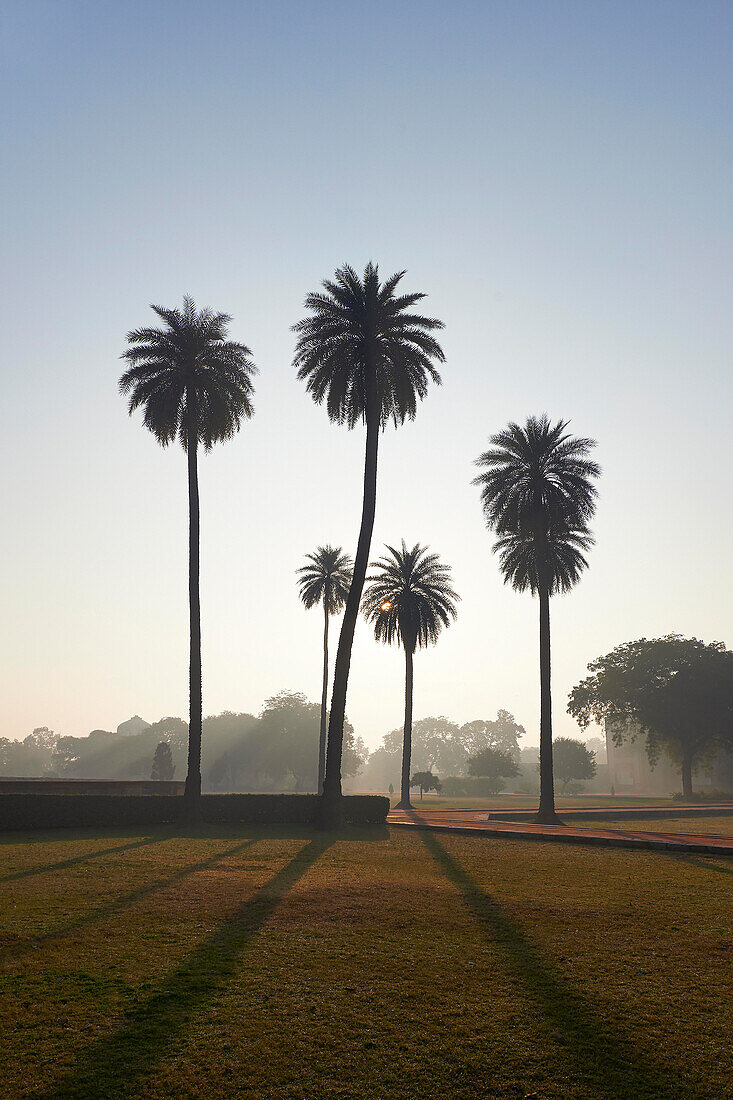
x=676, y=691
x=426, y=781
x=492, y=763
x=443, y=745
x=572, y=760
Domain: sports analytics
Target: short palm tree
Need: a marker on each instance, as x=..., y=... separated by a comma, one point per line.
x=325, y=579
x=365, y=353
x=409, y=600
x=538, y=497
x=193, y=385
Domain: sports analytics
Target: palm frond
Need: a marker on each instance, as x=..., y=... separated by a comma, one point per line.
x=538, y=495
x=325, y=578
x=188, y=376
x=410, y=598
x=359, y=345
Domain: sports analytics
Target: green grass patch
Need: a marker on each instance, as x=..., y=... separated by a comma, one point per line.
x=285, y=963
x=723, y=826
x=529, y=802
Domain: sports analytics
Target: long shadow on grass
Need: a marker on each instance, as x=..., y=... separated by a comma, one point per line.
x=113, y=1066
x=64, y=864
x=606, y=1060
x=123, y=902
x=726, y=869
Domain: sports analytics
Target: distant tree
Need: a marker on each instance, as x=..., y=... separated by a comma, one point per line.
x=19, y=758
x=163, y=766
x=42, y=739
x=391, y=789
x=502, y=733
x=426, y=781
x=676, y=691
x=284, y=742
x=573, y=760
x=194, y=385
x=171, y=729
x=538, y=497
x=435, y=743
x=409, y=600
x=494, y=765
x=442, y=745
x=365, y=353
x=325, y=579
x=39, y=749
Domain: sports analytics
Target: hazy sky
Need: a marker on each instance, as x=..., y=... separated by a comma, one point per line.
x=556, y=176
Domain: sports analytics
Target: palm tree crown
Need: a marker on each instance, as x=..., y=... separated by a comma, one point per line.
x=564, y=559
x=325, y=579
x=191, y=382
x=410, y=599
x=362, y=351
x=537, y=474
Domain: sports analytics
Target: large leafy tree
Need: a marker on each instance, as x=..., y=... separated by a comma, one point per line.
x=677, y=692
x=325, y=579
x=538, y=497
x=409, y=600
x=438, y=743
x=494, y=765
x=365, y=352
x=194, y=385
x=503, y=733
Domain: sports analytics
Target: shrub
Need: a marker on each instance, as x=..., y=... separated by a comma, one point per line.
x=704, y=796
x=472, y=786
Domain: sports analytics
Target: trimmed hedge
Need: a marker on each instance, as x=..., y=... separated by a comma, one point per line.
x=75, y=811
x=471, y=786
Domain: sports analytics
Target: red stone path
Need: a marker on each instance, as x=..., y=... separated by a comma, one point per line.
x=471, y=822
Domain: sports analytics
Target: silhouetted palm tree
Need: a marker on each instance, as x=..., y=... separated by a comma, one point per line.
x=370, y=358
x=409, y=600
x=538, y=496
x=194, y=385
x=325, y=580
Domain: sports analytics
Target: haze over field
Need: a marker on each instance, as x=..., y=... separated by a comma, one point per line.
x=557, y=177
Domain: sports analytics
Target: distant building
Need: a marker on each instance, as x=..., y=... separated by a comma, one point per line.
x=631, y=773
x=133, y=725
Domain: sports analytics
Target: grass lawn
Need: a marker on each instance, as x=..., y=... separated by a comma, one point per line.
x=721, y=825
x=529, y=802
x=283, y=963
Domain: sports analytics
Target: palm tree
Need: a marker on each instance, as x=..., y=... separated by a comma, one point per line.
x=325, y=579
x=369, y=357
x=194, y=385
x=409, y=600
x=538, y=496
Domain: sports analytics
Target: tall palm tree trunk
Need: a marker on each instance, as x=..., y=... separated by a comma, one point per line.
x=404, y=803
x=324, y=700
x=193, y=778
x=546, y=813
x=331, y=814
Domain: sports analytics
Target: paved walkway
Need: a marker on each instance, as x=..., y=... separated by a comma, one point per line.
x=470, y=822
x=618, y=813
